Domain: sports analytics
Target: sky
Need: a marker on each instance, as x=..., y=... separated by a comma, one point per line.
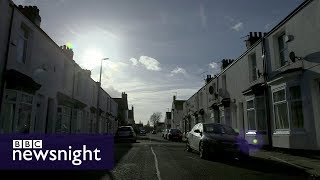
x=156, y=48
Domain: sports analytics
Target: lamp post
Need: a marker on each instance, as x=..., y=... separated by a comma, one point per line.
x=98, y=102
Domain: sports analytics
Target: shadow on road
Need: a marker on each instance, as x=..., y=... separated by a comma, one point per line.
x=59, y=175
x=120, y=150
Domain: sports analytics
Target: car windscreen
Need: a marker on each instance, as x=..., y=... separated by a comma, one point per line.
x=175, y=131
x=218, y=129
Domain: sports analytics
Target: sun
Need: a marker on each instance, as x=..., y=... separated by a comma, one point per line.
x=92, y=58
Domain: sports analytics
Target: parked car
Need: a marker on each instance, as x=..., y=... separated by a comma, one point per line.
x=216, y=139
x=174, y=134
x=165, y=133
x=142, y=132
x=126, y=133
x=154, y=132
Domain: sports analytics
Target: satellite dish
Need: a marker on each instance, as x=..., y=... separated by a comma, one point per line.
x=292, y=56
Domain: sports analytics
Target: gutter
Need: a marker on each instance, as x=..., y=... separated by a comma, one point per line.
x=4, y=68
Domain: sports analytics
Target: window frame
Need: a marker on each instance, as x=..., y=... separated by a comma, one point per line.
x=252, y=70
x=255, y=108
x=26, y=38
x=283, y=88
x=279, y=51
x=286, y=87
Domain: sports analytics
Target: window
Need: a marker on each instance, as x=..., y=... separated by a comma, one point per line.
x=251, y=115
x=17, y=112
x=283, y=50
x=260, y=113
x=22, y=44
x=296, y=107
x=63, y=119
x=256, y=114
x=224, y=82
x=222, y=116
x=252, y=67
x=280, y=109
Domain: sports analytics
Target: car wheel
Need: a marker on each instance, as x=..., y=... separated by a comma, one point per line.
x=203, y=151
x=188, y=147
x=243, y=156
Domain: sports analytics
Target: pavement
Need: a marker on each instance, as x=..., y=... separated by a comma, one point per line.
x=310, y=164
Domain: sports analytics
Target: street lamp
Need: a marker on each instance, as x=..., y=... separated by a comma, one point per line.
x=98, y=103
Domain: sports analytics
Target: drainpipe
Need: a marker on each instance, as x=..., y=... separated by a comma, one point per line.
x=266, y=91
x=4, y=68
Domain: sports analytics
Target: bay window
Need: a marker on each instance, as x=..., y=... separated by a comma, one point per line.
x=256, y=114
x=296, y=107
x=287, y=106
x=17, y=110
x=63, y=119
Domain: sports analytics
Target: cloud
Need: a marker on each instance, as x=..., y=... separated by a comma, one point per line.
x=134, y=61
x=238, y=26
x=214, y=65
x=215, y=68
x=112, y=91
x=203, y=16
x=178, y=70
x=150, y=63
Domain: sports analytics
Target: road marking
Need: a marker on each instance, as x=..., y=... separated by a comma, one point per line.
x=156, y=164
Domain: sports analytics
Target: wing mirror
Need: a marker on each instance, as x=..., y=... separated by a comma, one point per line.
x=198, y=131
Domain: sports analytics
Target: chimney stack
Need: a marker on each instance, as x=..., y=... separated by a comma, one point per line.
x=174, y=98
x=67, y=51
x=32, y=13
x=208, y=78
x=124, y=95
x=253, y=37
x=87, y=72
x=226, y=63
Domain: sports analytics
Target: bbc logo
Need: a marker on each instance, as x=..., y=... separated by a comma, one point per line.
x=27, y=144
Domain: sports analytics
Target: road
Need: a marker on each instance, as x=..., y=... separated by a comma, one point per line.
x=153, y=158
x=158, y=159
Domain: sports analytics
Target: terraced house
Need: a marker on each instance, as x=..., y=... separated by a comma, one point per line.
x=270, y=93
x=43, y=90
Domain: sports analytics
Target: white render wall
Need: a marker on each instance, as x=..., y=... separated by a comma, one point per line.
x=304, y=27
x=60, y=74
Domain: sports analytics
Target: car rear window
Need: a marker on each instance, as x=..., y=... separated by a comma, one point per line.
x=124, y=129
x=175, y=131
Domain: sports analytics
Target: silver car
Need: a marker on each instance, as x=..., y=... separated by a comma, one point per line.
x=126, y=133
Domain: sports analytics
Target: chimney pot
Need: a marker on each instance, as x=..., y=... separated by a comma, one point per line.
x=255, y=34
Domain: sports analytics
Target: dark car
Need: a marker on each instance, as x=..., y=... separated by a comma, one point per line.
x=125, y=133
x=174, y=134
x=142, y=132
x=216, y=139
